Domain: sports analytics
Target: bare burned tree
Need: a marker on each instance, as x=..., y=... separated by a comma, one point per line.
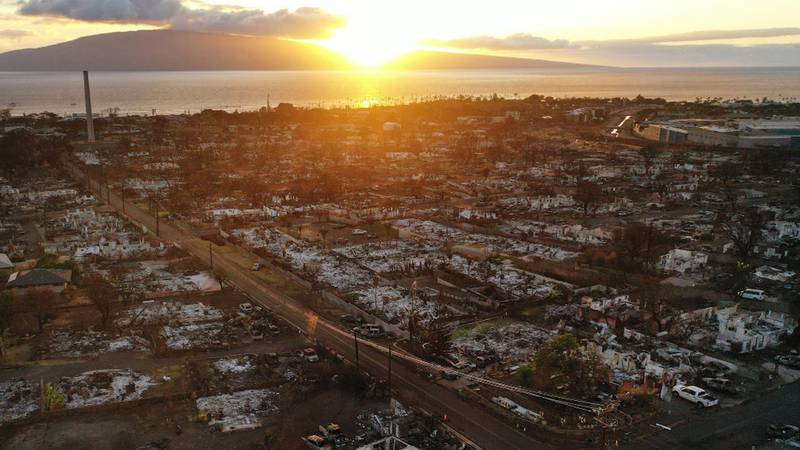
x=745, y=230
x=587, y=194
x=649, y=153
x=638, y=245
x=725, y=176
x=6, y=319
x=103, y=296
x=40, y=302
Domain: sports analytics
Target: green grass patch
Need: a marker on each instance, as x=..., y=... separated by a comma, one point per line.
x=56, y=362
x=173, y=371
x=50, y=261
x=478, y=329
x=16, y=354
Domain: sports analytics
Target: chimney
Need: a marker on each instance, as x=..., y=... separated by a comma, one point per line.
x=89, y=118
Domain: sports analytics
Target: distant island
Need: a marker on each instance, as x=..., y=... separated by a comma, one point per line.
x=151, y=50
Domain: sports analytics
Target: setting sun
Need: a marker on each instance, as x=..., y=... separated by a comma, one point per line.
x=370, y=44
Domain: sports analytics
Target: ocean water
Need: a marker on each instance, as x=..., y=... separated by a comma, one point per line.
x=176, y=92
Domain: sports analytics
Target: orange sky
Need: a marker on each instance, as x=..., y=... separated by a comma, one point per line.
x=374, y=31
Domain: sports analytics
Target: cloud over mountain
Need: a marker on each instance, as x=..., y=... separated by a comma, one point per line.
x=699, y=48
x=699, y=36
x=304, y=23
x=14, y=34
x=126, y=11
x=516, y=41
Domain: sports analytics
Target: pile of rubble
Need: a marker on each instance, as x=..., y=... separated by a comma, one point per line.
x=243, y=409
x=154, y=277
x=18, y=399
x=395, y=256
x=507, y=278
x=169, y=312
x=326, y=267
x=395, y=305
x=234, y=365
x=201, y=335
x=515, y=341
x=439, y=233
x=73, y=344
x=102, y=386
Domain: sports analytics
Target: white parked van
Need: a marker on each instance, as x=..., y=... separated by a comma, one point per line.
x=753, y=294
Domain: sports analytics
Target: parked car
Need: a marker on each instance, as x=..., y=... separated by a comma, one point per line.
x=256, y=335
x=450, y=375
x=714, y=369
x=369, y=330
x=696, y=395
x=782, y=431
x=350, y=320
x=753, y=294
x=484, y=361
x=311, y=355
x=256, y=267
x=246, y=308
x=723, y=385
x=791, y=360
x=462, y=366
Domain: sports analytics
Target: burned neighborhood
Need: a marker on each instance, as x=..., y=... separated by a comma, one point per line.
x=460, y=273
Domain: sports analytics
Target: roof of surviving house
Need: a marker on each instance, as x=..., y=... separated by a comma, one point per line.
x=35, y=277
x=5, y=262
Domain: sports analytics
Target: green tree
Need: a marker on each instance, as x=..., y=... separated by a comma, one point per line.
x=562, y=356
x=525, y=375
x=53, y=399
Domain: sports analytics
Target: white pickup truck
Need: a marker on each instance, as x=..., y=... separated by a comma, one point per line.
x=696, y=395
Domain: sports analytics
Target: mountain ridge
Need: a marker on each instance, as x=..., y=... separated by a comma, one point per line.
x=157, y=50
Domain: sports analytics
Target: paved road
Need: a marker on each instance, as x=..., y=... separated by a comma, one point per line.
x=739, y=427
x=481, y=427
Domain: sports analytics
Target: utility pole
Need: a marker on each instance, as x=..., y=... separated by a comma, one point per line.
x=157, y=219
x=123, y=198
x=211, y=261
x=390, y=369
x=101, y=180
x=603, y=438
x=44, y=220
x=412, y=322
x=355, y=341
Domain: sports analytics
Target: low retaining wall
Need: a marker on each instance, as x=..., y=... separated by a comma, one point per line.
x=42, y=415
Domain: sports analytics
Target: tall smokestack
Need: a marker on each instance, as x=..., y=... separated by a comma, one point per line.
x=89, y=118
